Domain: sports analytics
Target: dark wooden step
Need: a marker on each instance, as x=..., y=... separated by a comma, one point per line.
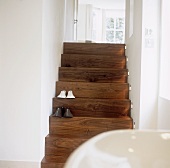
x=94, y=48
x=61, y=146
x=93, y=61
x=87, y=127
x=53, y=162
x=93, y=75
x=95, y=90
x=86, y=107
x=60, y=143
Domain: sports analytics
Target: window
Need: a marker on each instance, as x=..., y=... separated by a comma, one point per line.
x=108, y=25
x=115, y=28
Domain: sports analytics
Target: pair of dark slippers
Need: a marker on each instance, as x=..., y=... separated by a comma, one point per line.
x=63, y=112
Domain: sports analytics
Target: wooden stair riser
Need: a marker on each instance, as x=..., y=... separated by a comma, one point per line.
x=79, y=127
x=101, y=75
x=94, y=48
x=95, y=90
x=55, y=145
x=55, y=160
x=86, y=127
x=93, y=61
x=94, y=107
x=97, y=75
x=51, y=164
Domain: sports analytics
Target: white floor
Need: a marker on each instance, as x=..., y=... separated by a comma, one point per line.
x=19, y=164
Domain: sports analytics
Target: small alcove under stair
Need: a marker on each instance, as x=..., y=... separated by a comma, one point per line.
x=97, y=75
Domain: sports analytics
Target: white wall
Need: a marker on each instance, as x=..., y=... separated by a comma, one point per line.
x=82, y=19
x=143, y=53
x=133, y=52
x=165, y=58
x=52, y=45
x=20, y=74
x=164, y=114
x=20, y=53
x=31, y=36
x=69, y=20
x=164, y=94
x=150, y=64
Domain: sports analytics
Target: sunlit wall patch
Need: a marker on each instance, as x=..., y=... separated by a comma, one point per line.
x=131, y=150
x=165, y=136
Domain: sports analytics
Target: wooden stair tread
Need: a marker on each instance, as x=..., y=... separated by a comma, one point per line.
x=86, y=107
x=98, y=61
x=94, y=68
x=97, y=75
x=53, y=162
x=95, y=90
x=94, y=48
x=53, y=158
x=102, y=75
x=87, y=127
x=58, y=146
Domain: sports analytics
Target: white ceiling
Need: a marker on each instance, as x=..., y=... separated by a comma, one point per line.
x=107, y=4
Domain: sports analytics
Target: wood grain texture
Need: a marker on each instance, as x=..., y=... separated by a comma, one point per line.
x=93, y=61
x=86, y=107
x=94, y=48
x=53, y=162
x=102, y=75
x=87, y=127
x=95, y=90
x=97, y=75
x=55, y=145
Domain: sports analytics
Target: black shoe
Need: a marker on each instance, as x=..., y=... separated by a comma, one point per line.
x=68, y=114
x=62, y=111
x=58, y=113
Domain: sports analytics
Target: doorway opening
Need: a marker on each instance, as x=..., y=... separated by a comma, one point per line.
x=101, y=21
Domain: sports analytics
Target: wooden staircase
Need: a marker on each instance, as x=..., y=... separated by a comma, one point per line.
x=97, y=75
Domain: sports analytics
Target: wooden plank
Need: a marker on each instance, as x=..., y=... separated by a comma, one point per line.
x=94, y=48
x=87, y=127
x=102, y=75
x=93, y=61
x=86, y=107
x=95, y=90
x=53, y=161
x=97, y=76
x=55, y=145
x=51, y=164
